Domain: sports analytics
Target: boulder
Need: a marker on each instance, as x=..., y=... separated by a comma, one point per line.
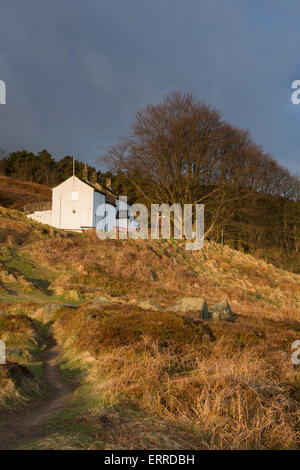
x=149, y=305
x=220, y=311
x=189, y=304
x=101, y=300
x=153, y=275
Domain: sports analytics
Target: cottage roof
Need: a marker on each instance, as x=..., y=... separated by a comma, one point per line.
x=99, y=188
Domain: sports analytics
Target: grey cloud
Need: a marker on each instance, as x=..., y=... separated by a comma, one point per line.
x=76, y=72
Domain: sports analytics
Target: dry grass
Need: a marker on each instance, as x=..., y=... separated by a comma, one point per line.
x=15, y=193
x=165, y=271
x=16, y=382
x=232, y=385
x=228, y=385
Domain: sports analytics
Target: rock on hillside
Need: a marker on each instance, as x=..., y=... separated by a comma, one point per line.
x=220, y=311
x=188, y=304
x=149, y=305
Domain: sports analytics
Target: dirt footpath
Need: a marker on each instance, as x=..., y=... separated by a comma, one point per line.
x=30, y=424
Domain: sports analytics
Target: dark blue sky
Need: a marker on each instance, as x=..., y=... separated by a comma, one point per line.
x=77, y=71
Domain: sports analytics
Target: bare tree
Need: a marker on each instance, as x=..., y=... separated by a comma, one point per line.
x=181, y=151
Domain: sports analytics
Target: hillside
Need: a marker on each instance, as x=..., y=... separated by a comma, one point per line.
x=144, y=375
x=15, y=193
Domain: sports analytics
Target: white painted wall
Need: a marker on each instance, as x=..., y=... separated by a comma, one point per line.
x=73, y=204
x=44, y=217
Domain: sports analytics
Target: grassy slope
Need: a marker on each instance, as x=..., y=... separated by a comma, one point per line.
x=154, y=380
x=219, y=385
x=15, y=194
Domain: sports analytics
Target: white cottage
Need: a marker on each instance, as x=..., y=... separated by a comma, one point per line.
x=75, y=206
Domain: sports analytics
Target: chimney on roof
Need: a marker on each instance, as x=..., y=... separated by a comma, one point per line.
x=94, y=177
x=85, y=173
x=108, y=183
